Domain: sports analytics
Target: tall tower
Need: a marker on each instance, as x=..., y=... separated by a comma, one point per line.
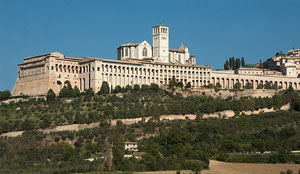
x=160, y=35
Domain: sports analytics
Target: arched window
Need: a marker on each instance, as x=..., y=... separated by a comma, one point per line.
x=169, y=57
x=179, y=57
x=126, y=51
x=145, y=51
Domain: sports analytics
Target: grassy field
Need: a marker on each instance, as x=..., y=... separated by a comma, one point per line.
x=217, y=167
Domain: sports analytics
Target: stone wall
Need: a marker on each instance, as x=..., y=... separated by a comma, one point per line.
x=32, y=87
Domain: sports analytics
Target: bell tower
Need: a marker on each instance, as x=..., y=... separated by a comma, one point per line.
x=160, y=35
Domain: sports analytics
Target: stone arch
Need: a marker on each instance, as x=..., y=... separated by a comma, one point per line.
x=285, y=86
x=59, y=85
x=231, y=83
x=80, y=84
x=83, y=82
x=223, y=82
x=227, y=83
x=242, y=83
x=60, y=68
x=67, y=82
x=68, y=68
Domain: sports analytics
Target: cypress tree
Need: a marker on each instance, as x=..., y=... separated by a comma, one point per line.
x=243, y=62
x=226, y=65
x=237, y=63
x=104, y=88
x=51, y=95
x=232, y=63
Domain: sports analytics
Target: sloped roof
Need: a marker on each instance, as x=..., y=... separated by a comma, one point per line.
x=176, y=50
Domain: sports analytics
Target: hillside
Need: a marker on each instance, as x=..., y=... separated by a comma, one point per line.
x=168, y=145
x=76, y=108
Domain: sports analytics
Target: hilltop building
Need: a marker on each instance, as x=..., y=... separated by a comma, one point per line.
x=141, y=64
x=137, y=64
x=159, y=52
x=288, y=64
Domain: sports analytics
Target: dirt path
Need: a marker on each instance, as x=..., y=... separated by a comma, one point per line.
x=217, y=167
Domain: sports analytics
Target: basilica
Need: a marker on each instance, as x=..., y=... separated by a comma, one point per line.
x=141, y=63
x=159, y=52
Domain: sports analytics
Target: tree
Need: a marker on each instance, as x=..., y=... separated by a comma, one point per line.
x=67, y=91
x=218, y=86
x=88, y=92
x=194, y=165
x=259, y=145
x=117, y=89
x=104, y=88
x=128, y=88
x=136, y=88
x=260, y=86
x=226, y=65
x=188, y=85
x=51, y=95
x=154, y=87
x=118, y=152
x=76, y=91
x=237, y=85
x=228, y=146
x=232, y=63
x=144, y=87
x=237, y=63
x=248, y=86
x=172, y=82
x=180, y=85
x=268, y=85
x=4, y=94
x=243, y=62
x=265, y=65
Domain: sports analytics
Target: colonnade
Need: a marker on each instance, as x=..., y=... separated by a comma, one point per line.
x=228, y=81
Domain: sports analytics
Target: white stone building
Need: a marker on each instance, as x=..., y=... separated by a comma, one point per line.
x=288, y=64
x=131, y=146
x=40, y=73
x=159, y=52
x=145, y=64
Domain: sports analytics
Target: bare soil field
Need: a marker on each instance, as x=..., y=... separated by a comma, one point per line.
x=217, y=167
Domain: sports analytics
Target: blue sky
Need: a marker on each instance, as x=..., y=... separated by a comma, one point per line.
x=213, y=30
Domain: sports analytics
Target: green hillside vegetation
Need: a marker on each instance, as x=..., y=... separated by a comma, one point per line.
x=168, y=145
x=121, y=103
x=172, y=146
x=4, y=95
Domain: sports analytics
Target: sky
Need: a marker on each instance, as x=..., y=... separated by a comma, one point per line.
x=213, y=30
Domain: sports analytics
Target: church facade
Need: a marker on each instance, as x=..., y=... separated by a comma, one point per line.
x=159, y=52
